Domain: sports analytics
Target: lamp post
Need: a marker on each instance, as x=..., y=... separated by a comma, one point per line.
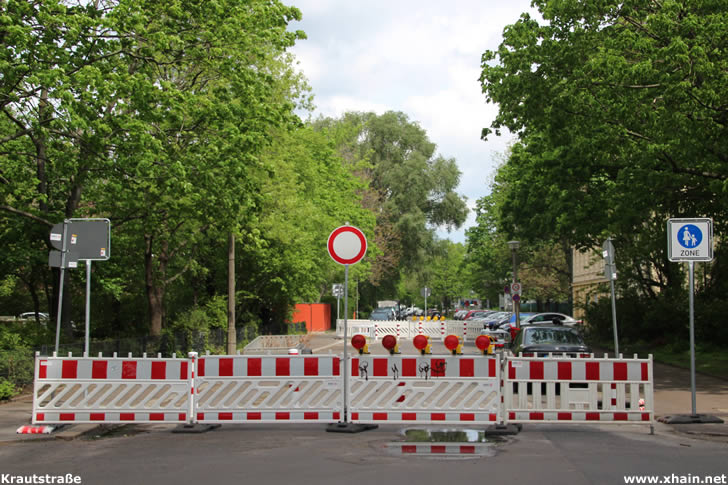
x=514, y=245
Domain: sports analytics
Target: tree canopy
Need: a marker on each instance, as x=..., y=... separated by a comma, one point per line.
x=620, y=108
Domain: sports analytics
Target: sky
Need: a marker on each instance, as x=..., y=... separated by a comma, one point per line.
x=418, y=57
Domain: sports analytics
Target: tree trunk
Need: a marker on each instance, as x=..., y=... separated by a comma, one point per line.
x=154, y=287
x=231, y=337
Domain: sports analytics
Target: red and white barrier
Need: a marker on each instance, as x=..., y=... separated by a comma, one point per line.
x=425, y=389
x=268, y=389
x=111, y=390
x=587, y=389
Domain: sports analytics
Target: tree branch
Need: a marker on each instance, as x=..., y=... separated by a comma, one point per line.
x=28, y=215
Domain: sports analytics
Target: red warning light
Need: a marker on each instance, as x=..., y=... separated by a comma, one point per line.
x=482, y=342
x=358, y=341
x=389, y=342
x=420, y=342
x=451, y=342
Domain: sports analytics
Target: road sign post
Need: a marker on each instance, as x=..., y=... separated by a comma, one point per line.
x=79, y=239
x=425, y=292
x=691, y=240
x=346, y=245
x=610, y=271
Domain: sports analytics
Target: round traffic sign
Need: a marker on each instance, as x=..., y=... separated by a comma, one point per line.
x=347, y=245
x=689, y=236
x=516, y=297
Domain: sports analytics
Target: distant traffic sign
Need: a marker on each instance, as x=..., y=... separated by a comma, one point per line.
x=690, y=239
x=516, y=288
x=347, y=245
x=88, y=238
x=425, y=292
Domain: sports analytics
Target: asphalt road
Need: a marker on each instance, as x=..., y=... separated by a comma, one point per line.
x=309, y=455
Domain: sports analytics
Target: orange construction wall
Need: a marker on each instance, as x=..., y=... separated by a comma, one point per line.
x=316, y=315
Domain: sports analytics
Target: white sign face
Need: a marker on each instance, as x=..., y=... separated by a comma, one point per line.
x=516, y=288
x=347, y=245
x=690, y=239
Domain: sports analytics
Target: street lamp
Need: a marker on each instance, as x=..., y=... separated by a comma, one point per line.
x=514, y=245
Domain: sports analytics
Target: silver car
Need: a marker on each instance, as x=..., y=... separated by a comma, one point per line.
x=552, y=318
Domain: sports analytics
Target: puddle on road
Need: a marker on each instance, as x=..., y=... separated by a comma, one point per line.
x=449, y=436
x=446, y=444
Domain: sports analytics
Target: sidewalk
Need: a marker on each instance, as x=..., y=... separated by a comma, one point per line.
x=672, y=396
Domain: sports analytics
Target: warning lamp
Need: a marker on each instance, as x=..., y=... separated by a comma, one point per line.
x=452, y=343
x=484, y=344
x=359, y=342
x=422, y=343
x=389, y=342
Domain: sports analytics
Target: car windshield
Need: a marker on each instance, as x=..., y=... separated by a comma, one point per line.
x=561, y=336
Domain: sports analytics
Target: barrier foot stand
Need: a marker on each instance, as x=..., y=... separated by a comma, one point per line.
x=39, y=428
x=503, y=429
x=195, y=428
x=349, y=427
x=691, y=419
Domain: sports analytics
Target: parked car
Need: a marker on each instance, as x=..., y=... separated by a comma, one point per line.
x=477, y=314
x=31, y=316
x=542, y=340
x=460, y=314
x=494, y=320
x=510, y=321
x=552, y=319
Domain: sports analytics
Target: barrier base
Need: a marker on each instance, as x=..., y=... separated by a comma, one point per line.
x=503, y=429
x=691, y=419
x=349, y=427
x=39, y=429
x=195, y=428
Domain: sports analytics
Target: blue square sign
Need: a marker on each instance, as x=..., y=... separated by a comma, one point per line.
x=690, y=239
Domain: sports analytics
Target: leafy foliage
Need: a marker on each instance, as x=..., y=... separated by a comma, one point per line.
x=620, y=112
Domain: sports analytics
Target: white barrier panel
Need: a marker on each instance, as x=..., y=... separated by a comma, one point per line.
x=111, y=390
x=267, y=389
x=364, y=327
x=426, y=389
x=402, y=329
x=578, y=390
x=464, y=329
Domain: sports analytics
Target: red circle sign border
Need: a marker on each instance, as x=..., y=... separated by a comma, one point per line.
x=357, y=232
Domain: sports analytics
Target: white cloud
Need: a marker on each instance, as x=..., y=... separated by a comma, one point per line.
x=421, y=57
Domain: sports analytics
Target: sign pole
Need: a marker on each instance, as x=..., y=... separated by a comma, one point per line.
x=60, y=286
x=426, y=311
x=690, y=240
x=614, y=319
x=346, y=346
x=88, y=307
x=692, y=334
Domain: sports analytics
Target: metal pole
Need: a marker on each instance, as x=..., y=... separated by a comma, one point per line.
x=88, y=307
x=346, y=344
x=517, y=304
x=426, y=312
x=60, y=286
x=692, y=335
x=614, y=319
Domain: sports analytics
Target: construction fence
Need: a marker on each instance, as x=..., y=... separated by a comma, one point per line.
x=422, y=389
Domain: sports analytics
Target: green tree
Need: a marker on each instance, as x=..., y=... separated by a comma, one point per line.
x=410, y=188
x=619, y=111
x=153, y=114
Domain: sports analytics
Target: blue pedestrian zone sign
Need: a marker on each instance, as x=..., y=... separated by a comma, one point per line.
x=690, y=239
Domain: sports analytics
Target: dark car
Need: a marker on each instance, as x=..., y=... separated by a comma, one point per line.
x=542, y=340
